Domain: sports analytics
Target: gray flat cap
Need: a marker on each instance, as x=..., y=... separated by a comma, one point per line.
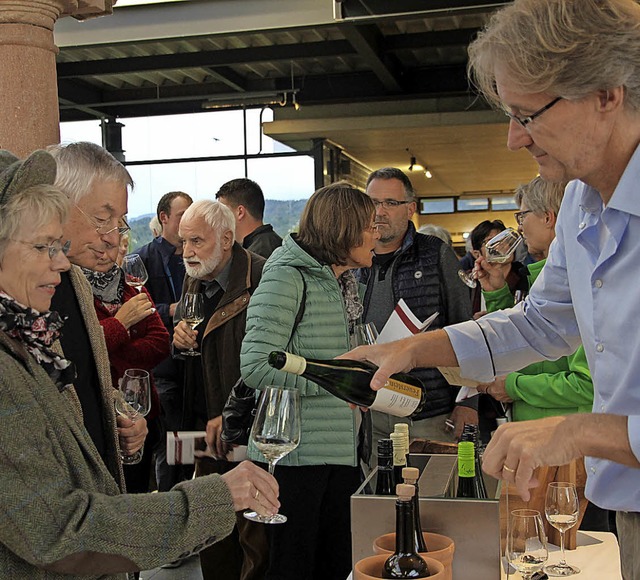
x=17, y=175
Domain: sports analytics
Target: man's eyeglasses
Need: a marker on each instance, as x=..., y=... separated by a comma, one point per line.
x=52, y=249
x=389, y=203
x=524, y=121
x=102, y=226
x=520, y=215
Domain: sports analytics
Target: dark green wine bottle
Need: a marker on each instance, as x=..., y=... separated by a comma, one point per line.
x=405, y=562
x=410, y=476
x=470, y=433
x=349, y=380
x=385, y=482
x=468, y=485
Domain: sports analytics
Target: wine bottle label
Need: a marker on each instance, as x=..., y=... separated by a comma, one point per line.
x=294, y=364
x=399, y=399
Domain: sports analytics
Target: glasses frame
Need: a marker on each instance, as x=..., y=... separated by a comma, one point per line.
x=53, y=249
x=520, y=215
x=122, y=230
x=524, y=121
x=390, y=203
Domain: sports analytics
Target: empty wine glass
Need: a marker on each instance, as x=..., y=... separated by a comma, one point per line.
x=192, y=314
x=133, y=400
x=526, y=542
x=498, y=250
x=135, y=274
x=364, y=334
x=275, y=432
x=562, y=509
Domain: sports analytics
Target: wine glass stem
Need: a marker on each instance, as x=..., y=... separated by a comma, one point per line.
x=563, y=562
x=272, y=466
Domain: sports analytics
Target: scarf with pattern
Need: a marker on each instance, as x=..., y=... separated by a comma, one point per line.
x=37, y=332
x=108, y=287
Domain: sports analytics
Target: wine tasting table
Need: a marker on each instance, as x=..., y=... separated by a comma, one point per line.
x=597, y=556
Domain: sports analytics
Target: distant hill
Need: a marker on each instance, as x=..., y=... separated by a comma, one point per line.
x=282, y=215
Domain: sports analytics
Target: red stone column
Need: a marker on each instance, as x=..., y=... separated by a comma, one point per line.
x=29, y=115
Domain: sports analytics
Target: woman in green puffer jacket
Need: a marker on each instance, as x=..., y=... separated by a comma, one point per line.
x=546, y=388
x=312, y=271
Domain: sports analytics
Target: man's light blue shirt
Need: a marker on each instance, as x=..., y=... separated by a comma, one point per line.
x=588, y=288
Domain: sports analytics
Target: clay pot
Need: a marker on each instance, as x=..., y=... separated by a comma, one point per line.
x=370, y=568
x=440, y=548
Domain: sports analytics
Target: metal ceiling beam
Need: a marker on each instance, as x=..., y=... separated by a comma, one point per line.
x=229, y=77
x=368, y=42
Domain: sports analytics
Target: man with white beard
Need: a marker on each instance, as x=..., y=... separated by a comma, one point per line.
x=227, y=275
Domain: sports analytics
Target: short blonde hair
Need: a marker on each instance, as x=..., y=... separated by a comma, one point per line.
x=569, y=48
x=36, y=206
x=540, y=196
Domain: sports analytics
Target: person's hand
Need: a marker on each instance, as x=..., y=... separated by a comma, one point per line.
x=461, y=416
x=134, y=310
x=172, y=309
x=184, y=337
x=253, y=488
x=214, y=429
x=516, y=449
x=489, y=275
x=496, y=389
x=131, y=434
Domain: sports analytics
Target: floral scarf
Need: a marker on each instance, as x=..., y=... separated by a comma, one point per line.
x=108, y=287
x=349, y=288
x=37, y=332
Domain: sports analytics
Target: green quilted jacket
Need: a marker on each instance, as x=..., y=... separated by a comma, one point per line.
x=328, y=424
x=547, y=388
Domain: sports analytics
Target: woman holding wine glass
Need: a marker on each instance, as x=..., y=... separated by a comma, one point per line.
x=136, y=338
x=311, y=273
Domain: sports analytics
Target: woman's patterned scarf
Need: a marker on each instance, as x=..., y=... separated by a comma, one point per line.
x=37, y=332
x=349, y=288
x=108, y=287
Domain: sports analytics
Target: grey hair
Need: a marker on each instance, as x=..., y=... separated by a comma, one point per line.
x=82, y=164
x=540, y=196
x=394, y=173
x=569, y=48
x=216, y=215
x=437, y=231
x=32, y=208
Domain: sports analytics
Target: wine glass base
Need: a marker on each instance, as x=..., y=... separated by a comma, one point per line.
x=256, y=517
x=132, y=459
x=467, y=278
x=561, y=570
x=190, y=353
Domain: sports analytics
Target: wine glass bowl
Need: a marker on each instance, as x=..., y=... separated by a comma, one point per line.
x=192, y=314
x=275, y=433
x=526, y=542
x=135, y=274
x=133, y=400
x=364, y=334
x=562, y=509
x=499, y=250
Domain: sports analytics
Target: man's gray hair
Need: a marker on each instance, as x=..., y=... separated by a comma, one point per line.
x=82, y=164
x=216, y=215
x=569, y=48
x=394, y=173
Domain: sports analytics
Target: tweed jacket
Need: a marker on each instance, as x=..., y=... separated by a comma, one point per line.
x=329, y=434
x=63, y=515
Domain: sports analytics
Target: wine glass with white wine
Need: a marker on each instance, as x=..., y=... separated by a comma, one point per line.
x=499, y=249
x=562, y=509
x=133, y=400
x=192, y=314
x=135, y=274
x=275, y=432
x=526, y=542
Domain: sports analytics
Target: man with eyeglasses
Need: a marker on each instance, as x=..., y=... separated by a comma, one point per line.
x=422, y=270
x=568, y=72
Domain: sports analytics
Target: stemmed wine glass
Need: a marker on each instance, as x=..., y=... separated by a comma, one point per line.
x=275, y=432
x=562, y=509
x=135, y=274
x=526, y=542
x=499, y=249
x=364, y=333
x=192, y=314
x=133, y=400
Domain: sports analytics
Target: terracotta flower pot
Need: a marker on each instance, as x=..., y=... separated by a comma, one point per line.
x=440, y=548
x=370, y=568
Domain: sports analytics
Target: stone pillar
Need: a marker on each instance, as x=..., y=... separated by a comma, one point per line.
x=29, y=115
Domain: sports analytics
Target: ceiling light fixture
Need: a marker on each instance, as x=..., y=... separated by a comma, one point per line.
x=415, y=165
x=252, y=99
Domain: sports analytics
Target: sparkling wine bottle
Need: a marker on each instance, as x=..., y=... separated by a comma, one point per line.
x=405, y=562
x=399, y=455
x=349, y=380
x=385, y=482
x=410, y=476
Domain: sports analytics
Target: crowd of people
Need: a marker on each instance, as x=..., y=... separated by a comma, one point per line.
x=550, y=336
